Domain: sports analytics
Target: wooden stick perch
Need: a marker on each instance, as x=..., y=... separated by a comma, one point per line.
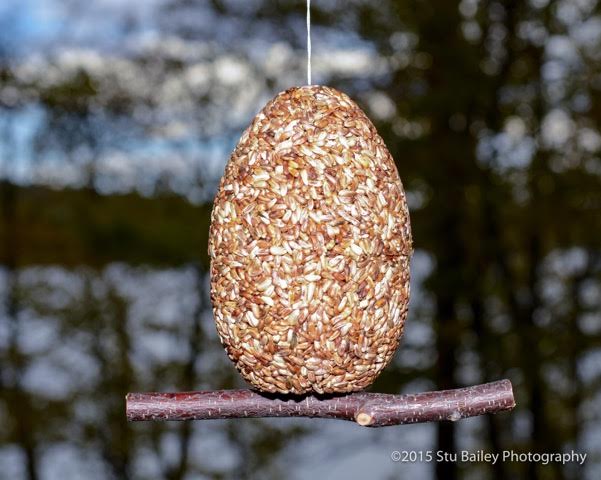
x=367, y=409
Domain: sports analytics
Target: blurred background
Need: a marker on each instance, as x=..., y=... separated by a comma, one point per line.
x=116, y=120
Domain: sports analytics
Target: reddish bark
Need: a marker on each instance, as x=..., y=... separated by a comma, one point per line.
x=367, y=409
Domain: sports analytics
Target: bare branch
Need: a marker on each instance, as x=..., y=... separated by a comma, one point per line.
x=367, y=409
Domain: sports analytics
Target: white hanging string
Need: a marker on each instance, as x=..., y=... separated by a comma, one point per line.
x=308, y=42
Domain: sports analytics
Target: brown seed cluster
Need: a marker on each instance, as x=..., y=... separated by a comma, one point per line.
x=310, y=244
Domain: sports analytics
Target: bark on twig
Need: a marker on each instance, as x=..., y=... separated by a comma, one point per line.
x=367, y=409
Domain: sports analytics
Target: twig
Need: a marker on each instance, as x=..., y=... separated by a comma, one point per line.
x=367, y=409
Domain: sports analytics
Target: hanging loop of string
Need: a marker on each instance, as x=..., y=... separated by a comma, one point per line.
x=308, y=42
